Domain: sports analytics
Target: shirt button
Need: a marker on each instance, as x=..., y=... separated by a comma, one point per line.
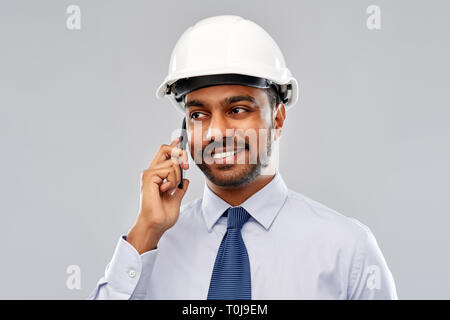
x=131, y=273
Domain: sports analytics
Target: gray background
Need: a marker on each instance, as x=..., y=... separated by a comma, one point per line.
x=79, y=121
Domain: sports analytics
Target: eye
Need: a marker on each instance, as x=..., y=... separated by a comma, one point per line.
x=238, y=110
x=196, y=115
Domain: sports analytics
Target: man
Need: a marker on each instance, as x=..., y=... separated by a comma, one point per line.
x=249, y=236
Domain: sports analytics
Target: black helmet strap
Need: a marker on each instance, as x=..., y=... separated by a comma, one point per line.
x=183, y=86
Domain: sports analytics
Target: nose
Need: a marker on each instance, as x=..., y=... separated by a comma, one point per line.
x=217, y=128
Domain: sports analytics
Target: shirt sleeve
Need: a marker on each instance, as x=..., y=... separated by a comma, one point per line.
x=127, y=274
x=370, y=277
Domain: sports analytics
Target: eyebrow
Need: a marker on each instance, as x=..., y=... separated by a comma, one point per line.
x=224, y=102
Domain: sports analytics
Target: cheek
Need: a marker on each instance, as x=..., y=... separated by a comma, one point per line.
x=196, y=136
x=254, y=128
x=258, y=120
x=257, y=137
x=266, y=117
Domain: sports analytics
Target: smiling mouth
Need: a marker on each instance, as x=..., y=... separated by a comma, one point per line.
x=222, y=155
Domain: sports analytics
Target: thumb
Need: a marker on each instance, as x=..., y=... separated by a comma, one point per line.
x=179, y=193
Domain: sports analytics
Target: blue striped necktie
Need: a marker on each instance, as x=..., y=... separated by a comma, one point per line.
x=231, y=275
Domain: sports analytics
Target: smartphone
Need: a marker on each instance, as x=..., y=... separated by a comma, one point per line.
x=182, y=145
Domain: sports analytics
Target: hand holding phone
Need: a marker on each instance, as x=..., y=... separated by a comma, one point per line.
x=159, y=202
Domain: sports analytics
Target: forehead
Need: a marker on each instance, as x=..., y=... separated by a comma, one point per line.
x=219, y=94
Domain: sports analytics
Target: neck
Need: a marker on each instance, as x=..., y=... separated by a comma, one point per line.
x=237, y=195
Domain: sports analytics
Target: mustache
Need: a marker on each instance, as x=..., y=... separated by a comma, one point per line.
x=225, y=144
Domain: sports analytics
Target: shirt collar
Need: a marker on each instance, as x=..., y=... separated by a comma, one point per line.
x=263, y=206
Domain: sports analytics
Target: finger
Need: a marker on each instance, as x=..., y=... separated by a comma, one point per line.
x=170, y=165
x=176, y=168
x=185, y=160
x=175, y=142
x=171, y=181
x=179, y=164
x=167, y=152
x=179, y=193
x=156, y=175
x=165, y=164
x=177, y=153
x=173, y=161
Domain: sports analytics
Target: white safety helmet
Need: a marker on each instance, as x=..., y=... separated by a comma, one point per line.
x=226, y=49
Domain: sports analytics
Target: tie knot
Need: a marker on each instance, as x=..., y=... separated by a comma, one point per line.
x=237, y=216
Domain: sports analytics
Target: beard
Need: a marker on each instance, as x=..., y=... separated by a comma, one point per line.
x=234, y=177
x=235, y=174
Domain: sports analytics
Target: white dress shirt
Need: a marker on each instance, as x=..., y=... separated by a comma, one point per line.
x=298, y=249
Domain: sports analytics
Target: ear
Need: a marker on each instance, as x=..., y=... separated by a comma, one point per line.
x=279, y=115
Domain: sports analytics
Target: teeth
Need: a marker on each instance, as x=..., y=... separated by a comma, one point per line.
x=223, y=154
